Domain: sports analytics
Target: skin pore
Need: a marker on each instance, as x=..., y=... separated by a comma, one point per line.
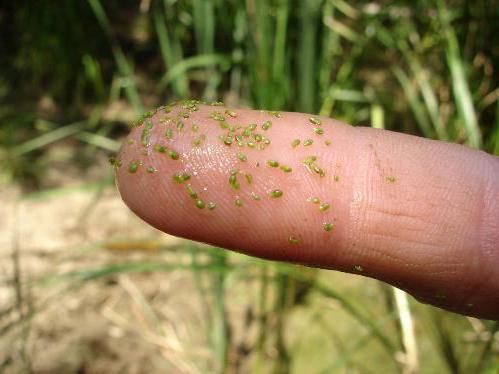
x=419, y=214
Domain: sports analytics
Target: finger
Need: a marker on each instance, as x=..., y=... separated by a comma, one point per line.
x=419, y=214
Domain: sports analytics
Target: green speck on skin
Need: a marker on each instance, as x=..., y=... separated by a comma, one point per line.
x=238, y=202
x=195, y=128
x=191, y=192
x=318, y=170
x=181, y=177
x=169, y=134
x=391, y=179
x=295, y=143
x=200, y=204
x=130, y=141
x=242, y=157
x=252, y=126
x=199, y=140
x=258, y=138
x=134, y=166
x=318, y=130
x=180, y=125
x=266, y=125
x=328, y=227
x=173, y=155
x=275, y=114
x=212, y=206
x=276, y=194
x=327, y=142
x=227, y=140
x=308, y=142
x=336, y=178
x=293, y=240
x=272, y=163
x=286, y=169
x=315, y=121
x=151, y=170
x=217, y=116
x=250, y=144
x=184, y=114
x=359, y=268
x=249, y=178
x=146, y=134
x=160, y=148
x=233, y=179
x=314, y=200
x=256, y=197
x=231, y=113
x=114, y=162
x=324, y=206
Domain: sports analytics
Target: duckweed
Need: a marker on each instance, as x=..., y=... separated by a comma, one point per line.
x=295, y=143
x=134, y=166
x=173, y=155
x=191, y=192
x=181, y=177
x=286, y=169
x=238, y=202
x=359, y=268
x=272, y=163
x=328, y=227
x=200, y=204
x=266, y=125
x=231, y=113
x=151, y=170
x=318, y=130
x=315, y=121
x=233, y=179
x=242, y=157
x=308, y=142
x=391, y=179
x=212, y=206
x=324, y=206
x=276, y=194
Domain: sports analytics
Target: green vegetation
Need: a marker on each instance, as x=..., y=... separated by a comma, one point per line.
x=78, y=73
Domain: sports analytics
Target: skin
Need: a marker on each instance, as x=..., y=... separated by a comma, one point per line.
x=419, y=214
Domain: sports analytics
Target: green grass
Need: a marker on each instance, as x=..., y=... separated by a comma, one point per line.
x=424, y=67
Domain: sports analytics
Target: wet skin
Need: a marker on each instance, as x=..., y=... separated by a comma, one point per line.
x=419, y=214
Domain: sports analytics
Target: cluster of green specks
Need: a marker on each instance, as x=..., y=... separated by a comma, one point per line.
x=322, y=206
x=115, y=163
x=243, y=136
x=312, y=167
x=174, y=155
x=181, y=177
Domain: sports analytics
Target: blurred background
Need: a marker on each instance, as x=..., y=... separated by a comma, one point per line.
x=86, y=287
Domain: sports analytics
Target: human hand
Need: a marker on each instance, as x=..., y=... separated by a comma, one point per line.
x=419, y=214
